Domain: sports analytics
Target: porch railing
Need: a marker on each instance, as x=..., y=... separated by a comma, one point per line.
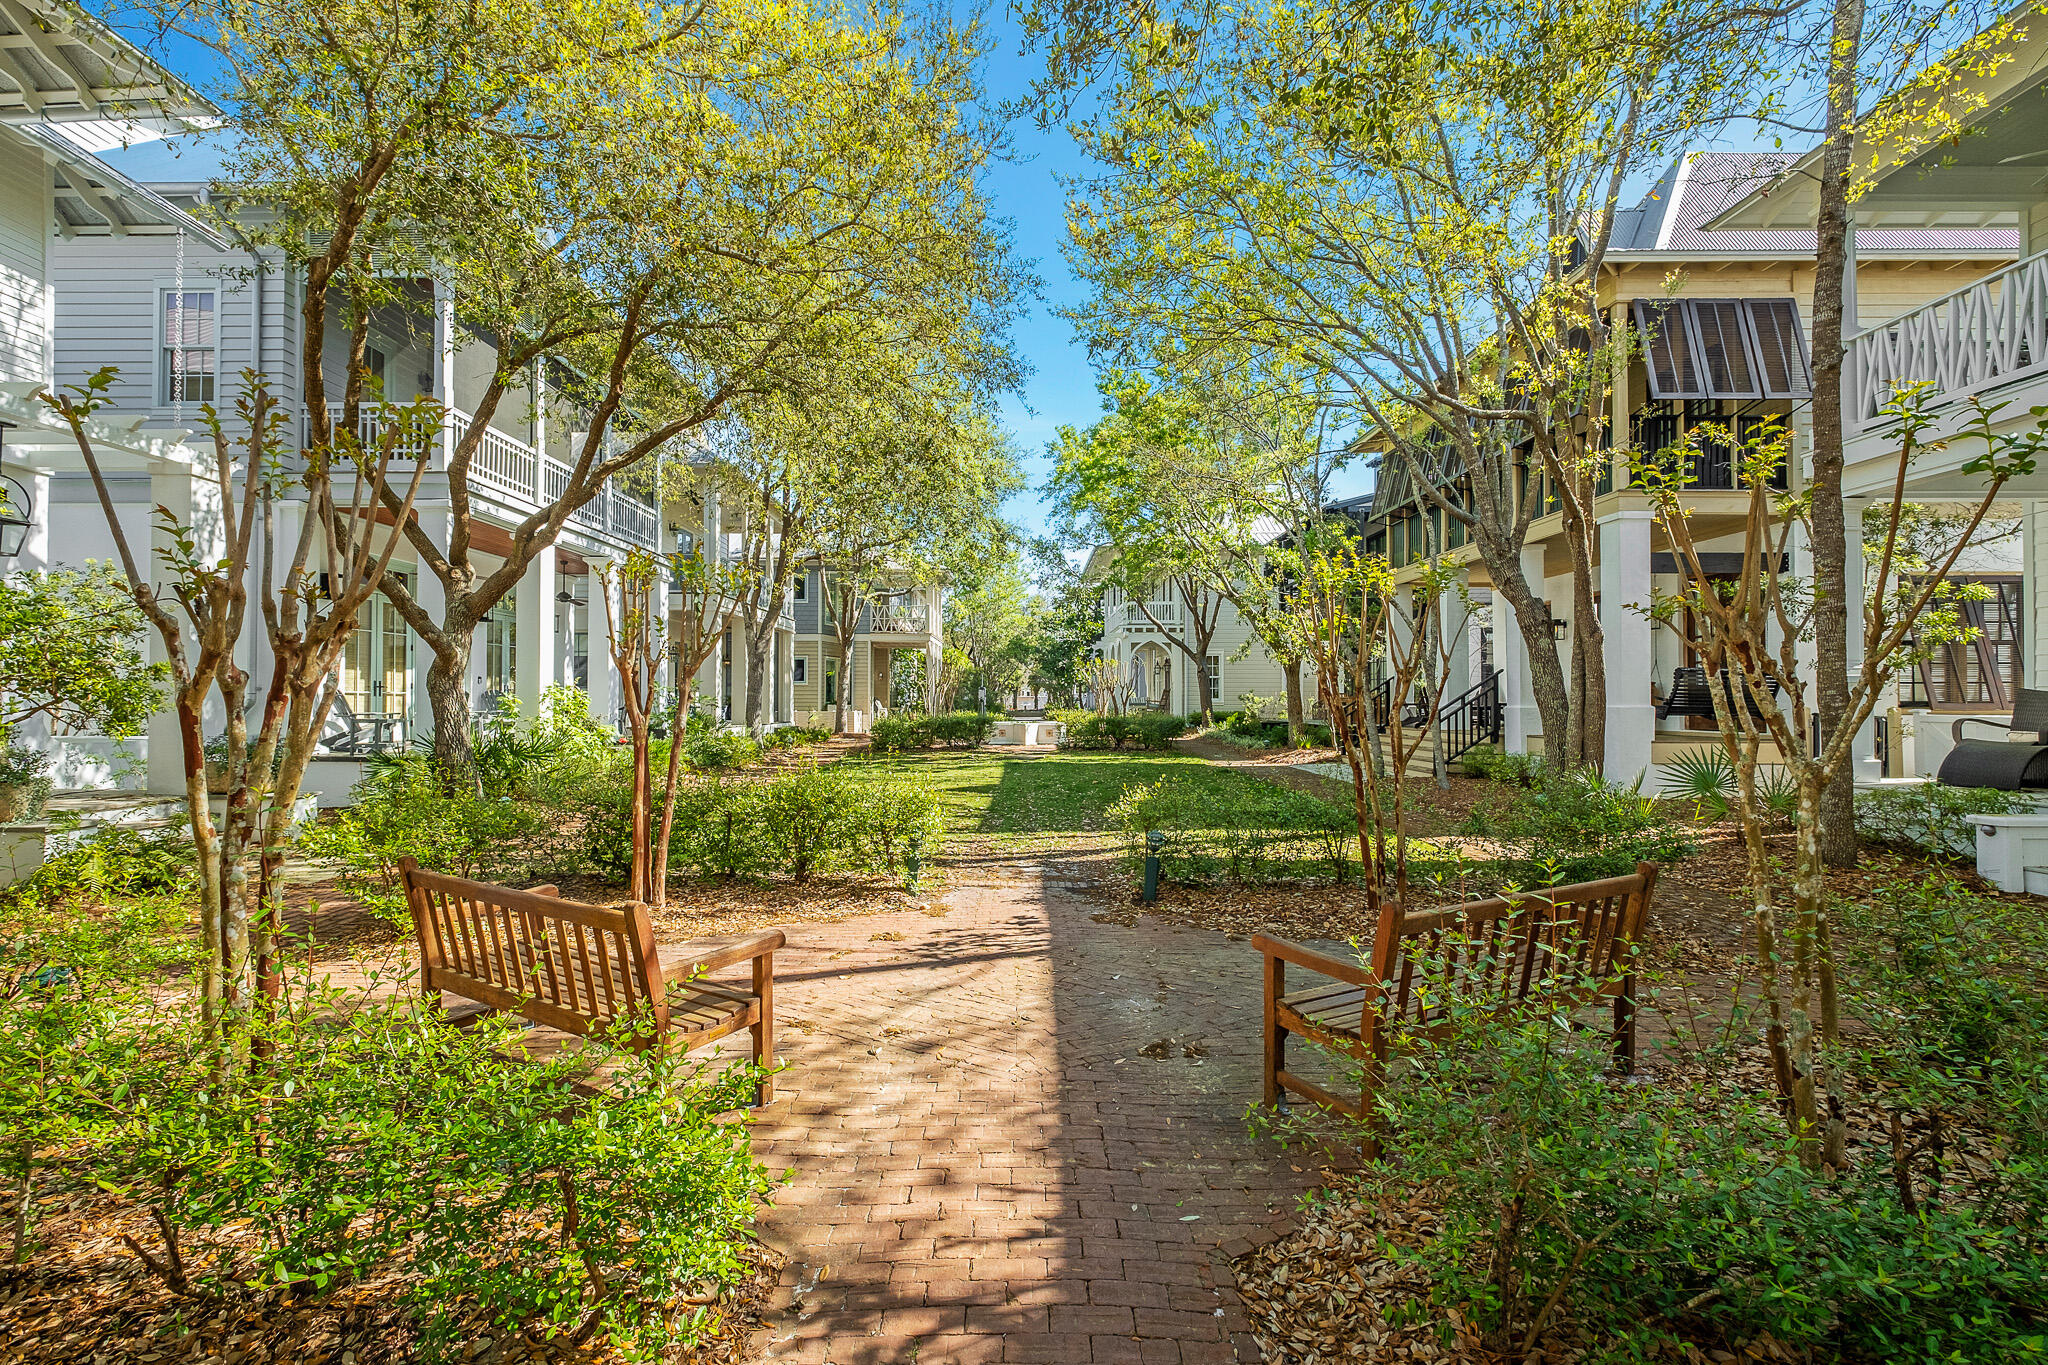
x=1992, y=332
x=1473, y=717
x=907, y=620
x=1166, y=613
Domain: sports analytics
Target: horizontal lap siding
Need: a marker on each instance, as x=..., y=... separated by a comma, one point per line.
x=25, y=217
x=108, y=293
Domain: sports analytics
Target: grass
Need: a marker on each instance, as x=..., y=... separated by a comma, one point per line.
x=1021, y=796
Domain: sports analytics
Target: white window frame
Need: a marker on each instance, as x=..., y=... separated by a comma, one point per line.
x=803, y=587
x=1214, y=668
x=165, y=289
x=800, y=669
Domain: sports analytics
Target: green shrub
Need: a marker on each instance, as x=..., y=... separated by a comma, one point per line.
x=1229, y=828
x=803, y=817
x=1569, y=826
x=392, y=1143
x=1655, y=1215
x=113, y=862
x=1140, y=730
x=400, y=809
x=1932, y=820
x=1497, y=765
x=793, y=736
x=720, y=751
x=894, y=818
x=901, y=734
x=718, y=831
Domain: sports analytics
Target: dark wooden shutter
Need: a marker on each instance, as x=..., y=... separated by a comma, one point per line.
x=1781, y=350
x=1724, y=348
x=1668, y=349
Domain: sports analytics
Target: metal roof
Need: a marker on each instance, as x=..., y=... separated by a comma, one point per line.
x=94, y=199
x=1699, y=187
x=58, y=64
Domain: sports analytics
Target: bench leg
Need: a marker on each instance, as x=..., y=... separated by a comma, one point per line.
x=1274, y=1050
x=764, y=1027
x=1625, y=1025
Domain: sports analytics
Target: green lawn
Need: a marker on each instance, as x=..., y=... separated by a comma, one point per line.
x=1015, y=796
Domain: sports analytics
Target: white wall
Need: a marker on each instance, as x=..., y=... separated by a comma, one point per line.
x=25, y=218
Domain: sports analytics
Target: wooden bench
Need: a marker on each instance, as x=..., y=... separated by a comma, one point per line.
x=590, y=970
x=1577, y=942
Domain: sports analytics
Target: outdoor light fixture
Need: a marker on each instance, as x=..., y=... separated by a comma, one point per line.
x=1558, y=626
x=562, y=571
x=15, y=510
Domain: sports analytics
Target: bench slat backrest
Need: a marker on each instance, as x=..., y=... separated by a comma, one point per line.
x=584, y=969
x=1575, y=939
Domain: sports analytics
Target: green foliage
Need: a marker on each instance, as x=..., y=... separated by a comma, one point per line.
x=1569, y=826
x=114, y=863
x=69, y=653
x=805, y=819
x=402, y=809
x=951, y=729
x=1932, y=820
x=1497, y=765
x=1658, y=1214
x=390, y=1141
x=1139, y=730
x=1239, y=830
x=567, y=721
x=715, y=751
x=1704, y=777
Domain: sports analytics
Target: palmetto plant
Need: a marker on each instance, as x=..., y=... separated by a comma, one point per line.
x=1707, y=778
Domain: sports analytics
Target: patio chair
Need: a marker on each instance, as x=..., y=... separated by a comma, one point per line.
x=1691, y=694
x=2006, y=764
x=357, y=733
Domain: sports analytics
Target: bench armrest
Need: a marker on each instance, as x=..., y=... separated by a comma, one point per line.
x=1955, y=731
x=1349, y=972
x=757, y=944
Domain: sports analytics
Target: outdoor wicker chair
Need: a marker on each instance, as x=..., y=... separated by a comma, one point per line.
x=2005, y=764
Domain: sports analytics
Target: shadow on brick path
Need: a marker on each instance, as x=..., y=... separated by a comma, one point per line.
x=1017, y=1135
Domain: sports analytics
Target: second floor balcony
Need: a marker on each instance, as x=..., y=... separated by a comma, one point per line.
x=1985, y=337
x=1132, y=615
x=899, y=618
x=529, y=479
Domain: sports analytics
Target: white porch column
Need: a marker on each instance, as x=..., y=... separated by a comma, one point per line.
x=1624, y=592
x=2034, y=591
x=1456, y=620
x=537, y=651
x=1512, y=649
x=444, y=365
x=1863, y=764
x=194, y=501
x=604, y=679
x=426, y=591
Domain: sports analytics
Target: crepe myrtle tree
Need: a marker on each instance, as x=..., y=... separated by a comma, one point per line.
x=310, y=582
x=575, y=177
x=645, y=634
x=70, y=654
x=1752, y=631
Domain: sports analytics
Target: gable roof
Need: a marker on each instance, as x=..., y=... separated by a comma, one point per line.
x=1698, y=187
x=59, y=64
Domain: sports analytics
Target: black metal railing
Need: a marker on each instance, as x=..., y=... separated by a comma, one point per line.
x=1472, y=718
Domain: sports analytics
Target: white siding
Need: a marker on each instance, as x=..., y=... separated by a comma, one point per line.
x=110, y=288
x=25, y=218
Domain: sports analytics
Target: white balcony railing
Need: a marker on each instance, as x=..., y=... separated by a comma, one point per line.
x=899, y=618
x=1988, y=333
x=506, y=464
x=1165, y=613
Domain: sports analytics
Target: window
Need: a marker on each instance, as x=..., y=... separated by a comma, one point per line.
x=803, y=591
x=800, y=670
x=1213, y=666
x=189, y=356
x=1979, y=674
x=1723, y=348
x=831, y=682
x=501, y=647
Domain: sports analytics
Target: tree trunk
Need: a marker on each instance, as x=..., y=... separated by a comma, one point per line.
x=448, y=695
x=1829, y=529
x=760, y=645
x=1290, y=672
x=845, y=689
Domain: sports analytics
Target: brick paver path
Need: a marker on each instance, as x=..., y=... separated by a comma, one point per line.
x=1017, y=1135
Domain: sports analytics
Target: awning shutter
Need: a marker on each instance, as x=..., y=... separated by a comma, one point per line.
x=1781, y=350
x=1668, y=349
x=1723, y=348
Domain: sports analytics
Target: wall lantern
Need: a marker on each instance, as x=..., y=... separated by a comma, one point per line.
x=16, y=509
x=1558, y=626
